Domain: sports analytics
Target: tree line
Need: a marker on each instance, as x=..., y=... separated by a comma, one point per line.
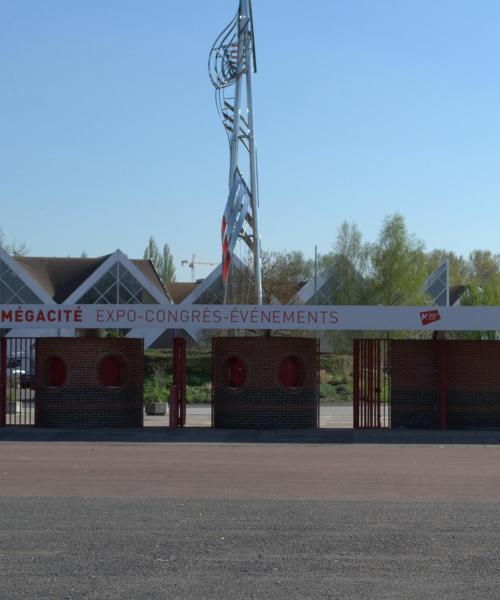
x=390, y=271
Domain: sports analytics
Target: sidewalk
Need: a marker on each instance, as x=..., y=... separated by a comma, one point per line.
x=337, y=416
x=207, y=435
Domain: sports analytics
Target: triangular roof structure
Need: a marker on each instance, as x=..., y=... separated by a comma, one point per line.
x=437, y=285
x=18, y=286
x=110, y=279
x=143, y=273
x=179, y=290
x=62, y=277
x=328, y=285
x=59, y=277
x=209, y=291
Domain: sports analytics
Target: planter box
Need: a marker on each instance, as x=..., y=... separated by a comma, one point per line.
x=157, y=408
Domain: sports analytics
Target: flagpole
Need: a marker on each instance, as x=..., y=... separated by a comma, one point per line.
x=232, y=57
x=253, y=164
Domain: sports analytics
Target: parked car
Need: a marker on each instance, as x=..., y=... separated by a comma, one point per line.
x=27, y=379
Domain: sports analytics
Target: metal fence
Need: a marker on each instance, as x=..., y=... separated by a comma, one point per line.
x=372, y=383
x=17, y=381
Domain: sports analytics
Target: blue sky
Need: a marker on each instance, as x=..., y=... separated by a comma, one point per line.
x=109, y=133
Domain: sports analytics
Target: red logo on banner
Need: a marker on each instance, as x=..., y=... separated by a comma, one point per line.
x=429, y=316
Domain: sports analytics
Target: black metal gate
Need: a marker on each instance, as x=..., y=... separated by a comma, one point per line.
x=17, y=381
x=372, y=384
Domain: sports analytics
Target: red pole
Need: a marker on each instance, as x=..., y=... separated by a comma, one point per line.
x=442, y=383
x=370, y=383
x=377, y=366
x=179, y=369
x=3, y=381
x=183, y=380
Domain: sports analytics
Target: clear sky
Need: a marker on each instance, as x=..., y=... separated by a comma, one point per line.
x=109, y=132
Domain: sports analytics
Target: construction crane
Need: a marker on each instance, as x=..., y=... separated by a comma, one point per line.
x=193, y=262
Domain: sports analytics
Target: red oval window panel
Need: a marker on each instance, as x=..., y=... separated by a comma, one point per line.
x=289, y=373
x=54, y=372
x=110, y=372
x=236, y=372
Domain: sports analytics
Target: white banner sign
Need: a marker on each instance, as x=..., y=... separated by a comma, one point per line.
x=157, y=316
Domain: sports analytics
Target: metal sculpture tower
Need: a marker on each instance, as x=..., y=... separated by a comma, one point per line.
x=231, y=64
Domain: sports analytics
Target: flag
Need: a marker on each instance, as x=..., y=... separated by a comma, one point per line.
x=236, y=210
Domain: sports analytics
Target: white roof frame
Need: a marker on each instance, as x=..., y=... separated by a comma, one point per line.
x=25, y=277
x=151, y=336
x=34, y=287
x=306, y=292
x=117, y=256
x=209, y=280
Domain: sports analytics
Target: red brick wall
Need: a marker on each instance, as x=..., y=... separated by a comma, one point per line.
x=82, y=400
x=262, y=402
x=414, y=384
x=472, y=383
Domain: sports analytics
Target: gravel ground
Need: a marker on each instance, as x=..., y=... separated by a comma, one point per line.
x=136, y=548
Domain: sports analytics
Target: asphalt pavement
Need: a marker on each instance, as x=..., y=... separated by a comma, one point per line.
x=116, y=548
x=89, y=517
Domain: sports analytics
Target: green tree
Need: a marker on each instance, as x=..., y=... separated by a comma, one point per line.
x=349, y=260
x=282, y=274
x=350, y=245
x=12, y=248
x=484, y=268
x=167, y=272
x=163, y=261
x=152, y=252
x=397, y=265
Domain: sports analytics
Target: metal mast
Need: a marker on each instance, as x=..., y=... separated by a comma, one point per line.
x=231, y=64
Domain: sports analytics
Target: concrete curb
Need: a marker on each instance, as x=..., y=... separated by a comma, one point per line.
x=207, y=435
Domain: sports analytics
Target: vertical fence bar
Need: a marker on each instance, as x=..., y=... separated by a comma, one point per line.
x=383, y=361
x=362, y=382
x=371, y=383
x=318, y=367
x=365, y=384
x=377, y=382
x=22, y=394
x=355, y=376
x=3, y=381
x=38, y=376
x=213, y=382
x=13, y=381
x=388, y=381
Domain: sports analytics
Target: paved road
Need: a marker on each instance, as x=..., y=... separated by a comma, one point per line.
x=111, y=548
x=252, y=472
x=202, y=521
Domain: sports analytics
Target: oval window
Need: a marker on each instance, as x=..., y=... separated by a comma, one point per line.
x=289, y=373
x=110, y=372
x=54, y=372
x=235, y=372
